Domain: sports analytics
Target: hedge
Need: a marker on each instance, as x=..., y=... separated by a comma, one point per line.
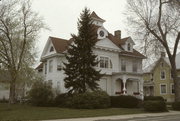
x=155, y=106
x=89, y=100
x=124, y=101
x=176, y=106
x=153, y=98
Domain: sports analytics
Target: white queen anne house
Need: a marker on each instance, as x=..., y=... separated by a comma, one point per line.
x=119, y=61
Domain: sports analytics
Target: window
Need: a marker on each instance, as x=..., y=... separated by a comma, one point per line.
x=51, y=66
x=162, y=64
x=45, y=68
x=104, y=62
x=129, y=47
x=163, y=88
x=152, y=76
x=51, y=49
x=172, y=89
x=163, y=75
x=123, y=65
x=135, y=66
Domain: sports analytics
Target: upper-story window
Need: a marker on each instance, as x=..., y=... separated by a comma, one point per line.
x=135, y=66
x=51, y=66
x=123, y=65
x=163, y=75
x=129, y=47
x=51, y=49
x=162, y=64
x=105, y=62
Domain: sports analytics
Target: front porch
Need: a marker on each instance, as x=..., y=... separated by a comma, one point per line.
x=128, y=86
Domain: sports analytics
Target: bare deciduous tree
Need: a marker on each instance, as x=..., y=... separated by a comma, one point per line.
x=157, y=24
x=19, y=28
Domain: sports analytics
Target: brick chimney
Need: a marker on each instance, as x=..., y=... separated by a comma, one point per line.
x=163, y=54
x=117, y=34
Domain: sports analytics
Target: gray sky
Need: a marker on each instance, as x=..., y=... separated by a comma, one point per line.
x=61, y=16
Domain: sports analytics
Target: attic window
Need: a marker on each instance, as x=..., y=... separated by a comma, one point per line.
x=51, y=49
x=129, y=47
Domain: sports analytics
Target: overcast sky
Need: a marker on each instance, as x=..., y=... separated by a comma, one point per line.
x=61, y=16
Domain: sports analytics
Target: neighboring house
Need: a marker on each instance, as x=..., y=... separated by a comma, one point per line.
x=119, y=61
x=158, y=80
x=4, y=85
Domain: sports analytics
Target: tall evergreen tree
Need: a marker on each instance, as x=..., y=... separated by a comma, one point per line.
x=80, y=72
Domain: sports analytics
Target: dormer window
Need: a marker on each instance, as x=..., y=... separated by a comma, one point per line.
x=51, y=49
x=129, y=47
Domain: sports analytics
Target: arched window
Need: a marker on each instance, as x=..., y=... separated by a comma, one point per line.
x=129, y=47
x=51, y=49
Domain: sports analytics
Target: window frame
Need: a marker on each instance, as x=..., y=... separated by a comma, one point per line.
x=50, y=70
x=129, y=46
x=105, y=62
x=51, y=49
x=164, y=75
x=123, y=65
x=135, y=64
x=161, y=89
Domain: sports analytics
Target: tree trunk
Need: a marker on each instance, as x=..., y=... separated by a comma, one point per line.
x=176, y=80
x=12, y=94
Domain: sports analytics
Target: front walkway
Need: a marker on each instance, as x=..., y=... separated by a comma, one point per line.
x=119, y=116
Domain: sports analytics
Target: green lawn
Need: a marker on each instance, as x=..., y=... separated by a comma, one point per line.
x=26, y=112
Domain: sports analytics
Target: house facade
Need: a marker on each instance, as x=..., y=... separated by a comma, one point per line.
x=158, y=80
x=118, y=60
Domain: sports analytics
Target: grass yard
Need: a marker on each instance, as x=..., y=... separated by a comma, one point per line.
x=26, y=112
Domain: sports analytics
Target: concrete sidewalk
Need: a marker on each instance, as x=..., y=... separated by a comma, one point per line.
x=119, y=116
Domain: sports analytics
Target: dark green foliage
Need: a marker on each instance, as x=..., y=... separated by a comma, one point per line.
x=41, y=94
x=155, y=106
x=4, y=100
x=80, y=71
x=61, y=100
x=90, y=100
x=155, y=98
x=124, y=101
x=176, y=106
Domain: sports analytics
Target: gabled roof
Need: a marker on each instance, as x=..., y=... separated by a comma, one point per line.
x=134, y=53
x=151, y=67
x=60, y=45
x=95, y=16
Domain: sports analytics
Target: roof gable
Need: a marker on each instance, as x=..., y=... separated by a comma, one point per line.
x=96, y=17
x=154, y=65
x=107, y=44
x=59, y=45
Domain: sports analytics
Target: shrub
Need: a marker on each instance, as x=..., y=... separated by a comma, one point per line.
x=4, y=100
x=61, y=100
x=153, y=98
x=89, y=100
x=176, y=106
x=124, y=101
x=155, y=106
x=41, y=94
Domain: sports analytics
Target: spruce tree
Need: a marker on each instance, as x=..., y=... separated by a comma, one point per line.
x=80, y=72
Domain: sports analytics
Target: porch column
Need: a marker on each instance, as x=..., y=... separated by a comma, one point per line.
x=124, y=84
